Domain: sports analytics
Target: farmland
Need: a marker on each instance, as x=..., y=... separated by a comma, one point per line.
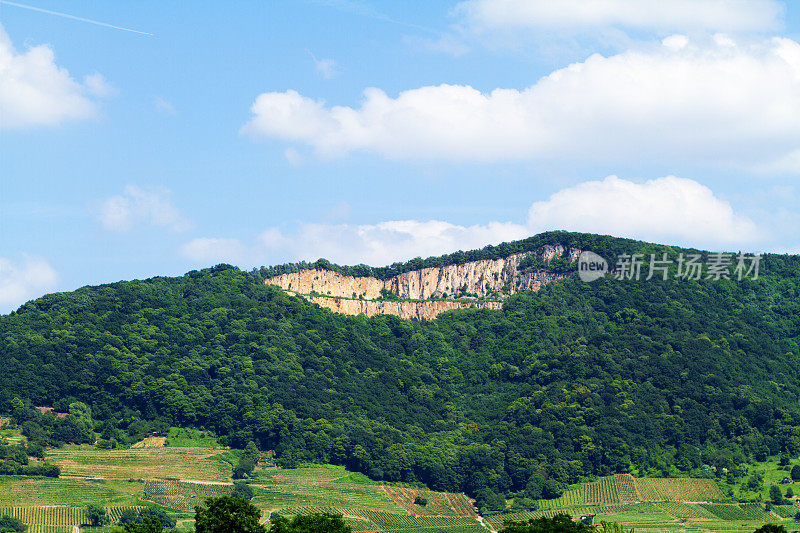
x=180, y=478
x=678, y=490
x=438, y=503
x=604, y=490
x=182, y=495
x=142, y=463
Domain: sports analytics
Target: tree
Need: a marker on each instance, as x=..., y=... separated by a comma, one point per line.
x=789, y=493
x=560, y=523
x=242, y=490
x=419, y=500
x=149, y=524
x=9, y=524
x=775, y=494
x=795, y=473
x=228, y=514
x=313, y=523
x=771, y=528
x=96, y=514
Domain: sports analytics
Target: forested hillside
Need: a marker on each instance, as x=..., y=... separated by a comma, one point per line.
x=575, y=380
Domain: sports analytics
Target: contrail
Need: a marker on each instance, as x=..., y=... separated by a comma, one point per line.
x=73, y=17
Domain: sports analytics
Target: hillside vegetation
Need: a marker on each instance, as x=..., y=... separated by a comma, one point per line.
x=576, y=380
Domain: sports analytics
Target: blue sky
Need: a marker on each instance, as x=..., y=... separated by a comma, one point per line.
x=262, y=132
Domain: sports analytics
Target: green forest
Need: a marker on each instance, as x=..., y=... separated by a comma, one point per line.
x=573, y=381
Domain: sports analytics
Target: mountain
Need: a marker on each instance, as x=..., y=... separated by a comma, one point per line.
x=574, y=380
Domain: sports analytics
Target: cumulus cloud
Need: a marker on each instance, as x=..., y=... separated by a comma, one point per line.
x=137, y=206
x=721, y=103
x=670, y=210
x=375, y=244
x=34, y=91
x=648, y=15
x=23, y=279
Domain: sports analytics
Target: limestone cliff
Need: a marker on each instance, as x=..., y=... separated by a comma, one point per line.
x=482, y=284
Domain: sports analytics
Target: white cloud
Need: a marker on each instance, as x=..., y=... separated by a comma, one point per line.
x=97, y=85
x=327, y=68
x=375, y=244
x=34, y=91
x=669, y=210
x=137, y=206
x=720, y=103
x=23, y=279
x=647, y=15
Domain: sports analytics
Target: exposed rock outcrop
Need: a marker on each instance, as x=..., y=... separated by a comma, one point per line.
x=424, y=310
x=453, y=286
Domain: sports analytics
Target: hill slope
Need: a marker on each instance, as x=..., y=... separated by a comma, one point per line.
x=576, y=379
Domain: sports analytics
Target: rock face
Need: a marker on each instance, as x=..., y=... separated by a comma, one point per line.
x=426, y=310
x=490, y=279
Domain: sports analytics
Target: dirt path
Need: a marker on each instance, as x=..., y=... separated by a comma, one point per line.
x=485, y=524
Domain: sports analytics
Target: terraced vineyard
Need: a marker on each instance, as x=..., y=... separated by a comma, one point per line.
x=602, y=491
x=439, y=503
x=183, y=495
x=678, y=490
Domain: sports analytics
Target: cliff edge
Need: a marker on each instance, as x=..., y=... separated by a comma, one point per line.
x=425, y=293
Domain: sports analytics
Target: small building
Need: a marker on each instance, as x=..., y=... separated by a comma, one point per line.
x=786, y=481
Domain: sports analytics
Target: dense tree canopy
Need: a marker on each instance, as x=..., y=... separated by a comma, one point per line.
x=577, y=379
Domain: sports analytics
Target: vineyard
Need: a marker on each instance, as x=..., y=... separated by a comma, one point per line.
x=684, y=510
x=393, y=522
x=325, y=487
x=32, y=491
x=626, y=488
x=141, y=463
x=439, y=503
x=785, y=511
x=570, y=498
x=678, y=490
x=726, y=512
x=604, y=490
x=182, y=495
x=53, y=519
